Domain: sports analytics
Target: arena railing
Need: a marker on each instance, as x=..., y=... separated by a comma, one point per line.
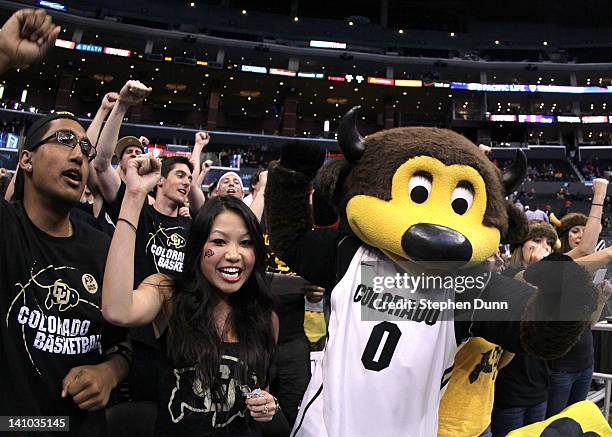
x=184, y=134
x=607, y=377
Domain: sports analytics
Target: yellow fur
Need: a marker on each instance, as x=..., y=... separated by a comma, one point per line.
x=382, y=223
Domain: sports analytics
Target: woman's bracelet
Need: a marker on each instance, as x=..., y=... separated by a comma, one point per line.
x=597, y=204
x=121, y=219
x=276, y=405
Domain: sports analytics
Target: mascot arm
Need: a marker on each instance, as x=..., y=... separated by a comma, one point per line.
x=498, y=327
x=287, y=207
x=287, y=196
x=322, y=256
x=311, y=254
x=562, y=308
x=545, y=322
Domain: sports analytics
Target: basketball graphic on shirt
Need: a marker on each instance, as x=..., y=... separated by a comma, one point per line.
x=44, y=311
x=166, y=246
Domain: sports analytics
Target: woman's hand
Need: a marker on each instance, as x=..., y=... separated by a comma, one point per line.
x=537, y=252
x=142, y=174
x=600, y=188
x=262, y=407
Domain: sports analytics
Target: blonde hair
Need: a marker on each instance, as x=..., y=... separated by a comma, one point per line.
x=517, y=259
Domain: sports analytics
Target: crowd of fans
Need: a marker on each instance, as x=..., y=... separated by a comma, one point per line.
x=132, y=289
x=549, y=171
x=596, y=168
x=248, y=157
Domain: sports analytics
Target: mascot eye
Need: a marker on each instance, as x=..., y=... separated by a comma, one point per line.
x=462, y=198
x=419, y=187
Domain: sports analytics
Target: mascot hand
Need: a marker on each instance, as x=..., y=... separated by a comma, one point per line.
x=303, y=158
x=564, y=287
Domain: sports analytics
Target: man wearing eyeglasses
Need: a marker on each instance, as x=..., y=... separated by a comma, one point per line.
x=54, y=343
x=51, y=268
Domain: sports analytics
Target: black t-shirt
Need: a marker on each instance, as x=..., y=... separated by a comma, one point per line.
x=160, y=240
x=50, y=300
x=84, y=211
x=580, y=357
x=522, y=383
x=186, y=408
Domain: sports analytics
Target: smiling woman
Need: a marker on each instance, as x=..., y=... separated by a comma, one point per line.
x=214, y=322
x=231, y=262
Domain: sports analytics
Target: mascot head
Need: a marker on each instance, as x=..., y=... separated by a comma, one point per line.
x=424, y=195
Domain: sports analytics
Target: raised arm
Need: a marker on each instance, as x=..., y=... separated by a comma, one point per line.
x=107, y=104
x=592, y=228
x=258, y=204
x=206, y=165
x=93, y=133
x=196, y=196
x=596, y=260
x=26, y=37
x=121, y=305
x=287, y=197
x=311, y=254
x=133, y=92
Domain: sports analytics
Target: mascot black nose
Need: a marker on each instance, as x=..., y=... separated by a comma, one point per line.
x=432, y=245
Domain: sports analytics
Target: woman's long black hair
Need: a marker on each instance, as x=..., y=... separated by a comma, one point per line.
x=193, y=337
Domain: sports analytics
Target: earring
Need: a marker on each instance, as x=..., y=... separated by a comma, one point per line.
x=29, y=167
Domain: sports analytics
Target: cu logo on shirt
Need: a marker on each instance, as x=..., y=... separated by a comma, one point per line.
x=90, y=283
x=175, y=240
x=61, y=294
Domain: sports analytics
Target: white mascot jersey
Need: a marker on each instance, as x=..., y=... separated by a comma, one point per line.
x=377, y=378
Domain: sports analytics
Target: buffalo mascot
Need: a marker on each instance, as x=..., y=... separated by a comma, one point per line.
x=414, y=203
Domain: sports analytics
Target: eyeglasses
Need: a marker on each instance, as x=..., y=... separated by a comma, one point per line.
x=68, y=138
